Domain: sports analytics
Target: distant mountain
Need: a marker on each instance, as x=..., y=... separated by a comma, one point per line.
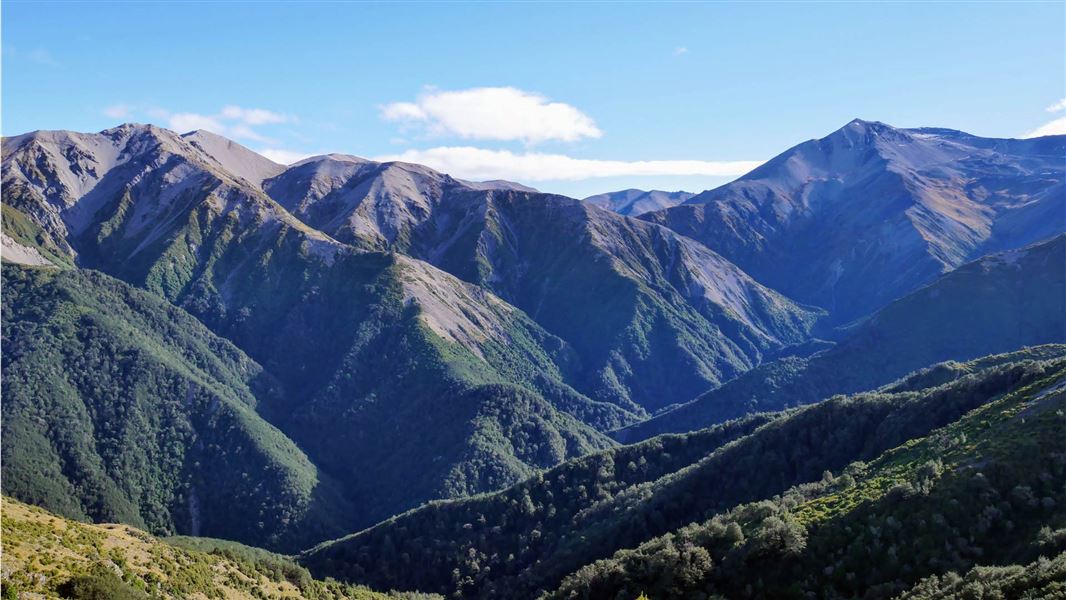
x=530, y=537
x=430, y=339
x=234, y=158
x=634, y=202
x=996, y=304
x=654, y=318
x=852, y=221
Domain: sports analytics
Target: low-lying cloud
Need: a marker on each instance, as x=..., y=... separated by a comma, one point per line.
x=493, y=113
x=480, y=164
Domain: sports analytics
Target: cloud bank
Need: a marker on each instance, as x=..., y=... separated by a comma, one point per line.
x=493, y=113
x=231, y=121
x=480, y=164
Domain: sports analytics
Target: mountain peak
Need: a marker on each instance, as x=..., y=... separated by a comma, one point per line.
x=233, y=157
x=633, y=202
x=860, y=127
x=332, y=156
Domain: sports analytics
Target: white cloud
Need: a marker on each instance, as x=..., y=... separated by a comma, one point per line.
x=183, y=122
x=118, y=111
x=478, y=163
x=494, y=113
x=402, y=111
x=284, y=157
x=252, y=116
x=1056, y=127
x=245, y=132
x=232, y=121
x=680, y=50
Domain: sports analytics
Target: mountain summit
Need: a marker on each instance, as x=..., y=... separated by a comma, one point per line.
x=634, y=202
x=870, y=212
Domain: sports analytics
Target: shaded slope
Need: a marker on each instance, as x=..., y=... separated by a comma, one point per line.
x=653, y=317
x=987, y=489
x=996, y=304
x=120, y=407
x=633, y=203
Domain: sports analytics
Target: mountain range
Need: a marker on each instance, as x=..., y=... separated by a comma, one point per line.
x=201, y=341
x=856, y=219
x=634, y=202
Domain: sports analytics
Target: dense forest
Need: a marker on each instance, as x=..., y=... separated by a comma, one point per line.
x=984, y=490
x=1015, y=296
x=527, y=538
x=120, y=407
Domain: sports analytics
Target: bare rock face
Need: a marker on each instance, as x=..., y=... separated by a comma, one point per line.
x=869, y=213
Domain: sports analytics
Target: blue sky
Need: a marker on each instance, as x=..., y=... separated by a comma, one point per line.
x=569, y=98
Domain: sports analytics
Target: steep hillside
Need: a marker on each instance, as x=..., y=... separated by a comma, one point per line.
x=527, y=538
x=54, y=557
x=987, y=489
x=996, y=304
x=119, y=407
x=633, y=203
x=852, y=221
x=375, y=348
x=654, y=318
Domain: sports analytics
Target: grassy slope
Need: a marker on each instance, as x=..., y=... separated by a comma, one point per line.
x=26, y=232
x=985, y=489
x=996, y=304
x=42, y=551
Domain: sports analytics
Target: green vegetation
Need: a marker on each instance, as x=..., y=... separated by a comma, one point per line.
x=1018, y=299
x=99, y=585
x=351, y=368
x=621, y=293
x=55, y=557
x=986, y=489
x=29, y=234
x=529, y=537
x=1042, y=578
x=120, y=407
x=442, y=382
